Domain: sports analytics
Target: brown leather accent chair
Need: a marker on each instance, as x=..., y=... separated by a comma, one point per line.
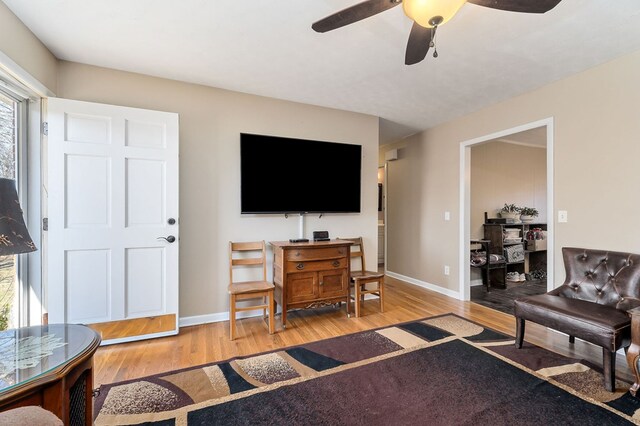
x=592, y=304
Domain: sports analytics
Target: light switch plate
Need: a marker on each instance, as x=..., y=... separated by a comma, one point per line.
x=447, y=215
x=562, y=216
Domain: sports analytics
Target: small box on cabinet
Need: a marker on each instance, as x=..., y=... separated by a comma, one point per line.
x=536, y=245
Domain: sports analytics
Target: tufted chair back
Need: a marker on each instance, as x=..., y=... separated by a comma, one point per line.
x=605, y=277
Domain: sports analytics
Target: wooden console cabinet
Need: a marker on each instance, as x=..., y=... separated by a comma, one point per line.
x=309, y=275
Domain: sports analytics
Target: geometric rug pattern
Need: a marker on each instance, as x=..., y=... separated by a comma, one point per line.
x=439, y=370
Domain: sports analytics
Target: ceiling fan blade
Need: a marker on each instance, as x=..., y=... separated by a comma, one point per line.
x=353, y=14
x=418, y=44
x=525, y=6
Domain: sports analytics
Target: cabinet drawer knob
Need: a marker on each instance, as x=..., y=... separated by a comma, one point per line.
x=321, y=282
x=336, y=263
x=300, y=266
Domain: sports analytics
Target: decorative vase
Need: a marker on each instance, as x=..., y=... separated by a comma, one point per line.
x=527, y=218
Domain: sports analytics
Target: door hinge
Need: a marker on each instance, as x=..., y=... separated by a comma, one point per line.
x=45, y=128
x=45, y=224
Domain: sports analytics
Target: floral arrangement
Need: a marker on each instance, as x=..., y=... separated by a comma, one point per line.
x=529, y=211
x=510, y=208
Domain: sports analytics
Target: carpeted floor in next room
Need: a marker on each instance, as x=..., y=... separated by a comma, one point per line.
x=502, y=299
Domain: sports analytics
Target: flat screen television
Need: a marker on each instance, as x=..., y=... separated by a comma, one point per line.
x=284, y=175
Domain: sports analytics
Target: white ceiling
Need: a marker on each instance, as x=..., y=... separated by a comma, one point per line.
x=268, y=48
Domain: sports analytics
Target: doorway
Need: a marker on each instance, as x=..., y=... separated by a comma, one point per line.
x=381, y=217
x=471, y=224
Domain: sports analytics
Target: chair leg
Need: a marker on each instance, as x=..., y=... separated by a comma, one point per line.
x=272, y=318
x=633, y=353
x=232, y=317
x=348, y=304
x=609, y=367
x=357, y=297
x=572, y=339
x=519, y=332
x=265, y=299
x=381, y=295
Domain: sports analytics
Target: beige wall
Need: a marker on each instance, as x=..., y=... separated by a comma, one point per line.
x=506, y=173
x=596, y=133
x=210, y=124
x=19, y=44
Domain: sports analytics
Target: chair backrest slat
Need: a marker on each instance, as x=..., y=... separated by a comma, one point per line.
x=247, y=246
x=256, y=261
x=356, y=251
x=256, y=248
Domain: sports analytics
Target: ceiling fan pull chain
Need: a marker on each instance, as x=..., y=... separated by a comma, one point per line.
x=433, y=42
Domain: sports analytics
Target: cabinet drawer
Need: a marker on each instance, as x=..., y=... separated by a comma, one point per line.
x=316, y=265
x=317, y=253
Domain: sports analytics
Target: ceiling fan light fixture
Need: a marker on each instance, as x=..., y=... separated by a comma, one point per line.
x=426, y=12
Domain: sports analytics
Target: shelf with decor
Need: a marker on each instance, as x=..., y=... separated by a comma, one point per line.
x=490, y=266
x=510, y=240
x=497, y=233
x=535, y=234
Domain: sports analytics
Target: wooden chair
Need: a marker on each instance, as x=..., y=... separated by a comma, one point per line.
x=240, y=254
x=361, y=277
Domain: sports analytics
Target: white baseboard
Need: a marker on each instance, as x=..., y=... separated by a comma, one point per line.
x=423, y=284
x=224, y=316
x=204, y=319
x=216, y=317
x=139, y=337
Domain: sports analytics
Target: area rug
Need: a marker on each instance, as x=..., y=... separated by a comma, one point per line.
x=443, y=370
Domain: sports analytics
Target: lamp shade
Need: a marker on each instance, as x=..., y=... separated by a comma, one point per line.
x=14, y=237
x=422, y=11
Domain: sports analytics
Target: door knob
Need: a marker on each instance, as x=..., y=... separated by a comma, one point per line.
x=168, y=239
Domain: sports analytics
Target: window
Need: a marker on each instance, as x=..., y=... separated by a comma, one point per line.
x=11, y=127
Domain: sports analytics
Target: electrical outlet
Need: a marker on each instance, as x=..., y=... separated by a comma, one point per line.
x=447, y=215
x=446, y=269
x=562, y=216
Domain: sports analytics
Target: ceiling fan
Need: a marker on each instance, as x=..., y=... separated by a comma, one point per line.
x=427, y=16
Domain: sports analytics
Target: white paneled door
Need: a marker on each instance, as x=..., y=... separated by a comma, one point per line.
x=113, y=219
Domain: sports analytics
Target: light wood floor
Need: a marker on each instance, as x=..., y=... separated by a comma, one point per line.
x=403, y=302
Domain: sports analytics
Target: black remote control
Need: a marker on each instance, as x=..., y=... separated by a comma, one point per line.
x=299, y=240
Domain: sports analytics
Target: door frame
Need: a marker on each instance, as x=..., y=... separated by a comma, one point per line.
x=385, y=190
x=384, y=217
x=464, y=272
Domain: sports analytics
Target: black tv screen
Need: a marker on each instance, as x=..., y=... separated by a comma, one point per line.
x=284, y=175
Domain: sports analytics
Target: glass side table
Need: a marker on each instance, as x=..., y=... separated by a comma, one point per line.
x=50, y=366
